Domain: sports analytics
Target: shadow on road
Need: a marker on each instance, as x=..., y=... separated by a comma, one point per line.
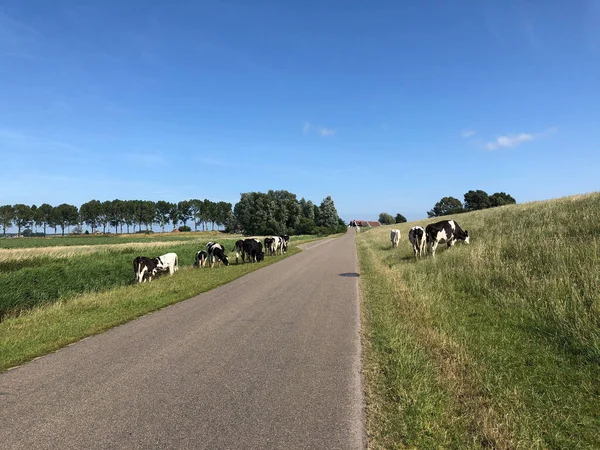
x=350, y=274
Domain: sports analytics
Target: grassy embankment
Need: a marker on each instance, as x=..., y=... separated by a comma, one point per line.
x=51, y=302
x=494, y=344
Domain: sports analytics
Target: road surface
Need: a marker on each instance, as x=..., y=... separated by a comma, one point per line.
x=270, y=360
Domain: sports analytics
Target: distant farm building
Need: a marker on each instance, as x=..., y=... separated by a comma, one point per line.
x=364, y=223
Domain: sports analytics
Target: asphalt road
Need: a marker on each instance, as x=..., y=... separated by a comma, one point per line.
x=271, y=360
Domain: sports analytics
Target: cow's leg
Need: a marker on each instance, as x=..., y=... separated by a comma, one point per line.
x=451, y=243
x=434, y=245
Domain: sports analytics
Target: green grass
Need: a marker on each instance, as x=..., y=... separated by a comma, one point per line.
x=58, y=241
x=30, y=282
x=51, y=326
x=494, y=344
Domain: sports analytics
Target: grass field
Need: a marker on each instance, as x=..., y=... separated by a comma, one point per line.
x=494, y=344
x=74, y=303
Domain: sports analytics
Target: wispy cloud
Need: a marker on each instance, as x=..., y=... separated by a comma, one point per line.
x=17, y=38
x=212, y=162
x=320, y=130
x=30, y=142
x=467, y=133
x=515, y=140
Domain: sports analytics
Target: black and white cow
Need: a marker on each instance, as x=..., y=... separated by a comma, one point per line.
x=395, y=238
x=416, y=236
x=239, y=251
x=444, y=231
x=285, y=241
x=200, y=259
x=168, y=262
x=144, y=269
x=254, y=250
x=268, y=245
x=216, y=251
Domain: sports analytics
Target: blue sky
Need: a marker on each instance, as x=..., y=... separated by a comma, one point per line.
x=385, y=106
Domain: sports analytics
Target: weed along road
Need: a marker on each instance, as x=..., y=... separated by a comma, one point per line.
x=270, y=360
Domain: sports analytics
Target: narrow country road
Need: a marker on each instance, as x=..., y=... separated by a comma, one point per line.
x=271, y=360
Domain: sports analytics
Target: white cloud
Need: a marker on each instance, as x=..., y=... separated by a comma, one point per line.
x=325, y=132
x=322, y=131
x=468, y=133
x=516, y=139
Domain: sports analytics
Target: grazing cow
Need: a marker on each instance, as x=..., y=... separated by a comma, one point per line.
x=143, y=269
x=253, y=249
x=395, y=237
x=216, y=251
x=239, y=251
x=416, y=236
x=285, y=241
x=268, y=245
x=168, y=262
x=445, y=231
x=201, y=258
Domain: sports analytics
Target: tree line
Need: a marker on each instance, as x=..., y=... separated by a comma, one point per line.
x=474, y=200
x=388, y=219
x=276, y=212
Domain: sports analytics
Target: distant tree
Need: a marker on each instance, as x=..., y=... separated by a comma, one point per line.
x=386, y=219
x=129, y=213
x=196, y=210
x=23, y=216
x=305, y=226
x=7, y=216
x=68, y=215
x=91, y=213
x=501, y=199
x=307, y=209
x=446, y=206
x=400, y=218
x=42, y=215
x=328, y=216
x=223, y=211
x=163, y=213
x=184, y=211
x=148, y=213
x=104, y=218
x=54, y=218
x=33, y=222
x=475, y=200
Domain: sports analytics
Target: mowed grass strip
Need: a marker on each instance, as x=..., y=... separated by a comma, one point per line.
x=506, y=331
x=52, y=326
x=30, y=282
x=71, y=240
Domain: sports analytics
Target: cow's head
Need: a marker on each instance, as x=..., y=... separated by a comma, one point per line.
x=466, y=238
x=260, y=256
x=225, y=260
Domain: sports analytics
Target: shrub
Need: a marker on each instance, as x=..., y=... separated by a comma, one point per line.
x=184, y=228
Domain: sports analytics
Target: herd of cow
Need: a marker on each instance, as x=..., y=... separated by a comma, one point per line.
x=145, y=268
x=445, y=231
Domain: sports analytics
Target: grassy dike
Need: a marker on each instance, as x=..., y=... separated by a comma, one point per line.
x=492, y=345
x=51, y=326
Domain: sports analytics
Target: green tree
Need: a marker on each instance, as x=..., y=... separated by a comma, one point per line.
x=386, y=219
x=400, y=218
x=446, y=206
x=42, y=215
x=501, y=199
x=148, y=213
x=7, y=216
x=90, y=213
x=68, y=215
x=328, y=216
x=54, y=218
x=184, y=210
x=23, y=216
x=307, y=209
x=129, y=213
x=475, y=200
x=196, y=210
x=163, y=213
